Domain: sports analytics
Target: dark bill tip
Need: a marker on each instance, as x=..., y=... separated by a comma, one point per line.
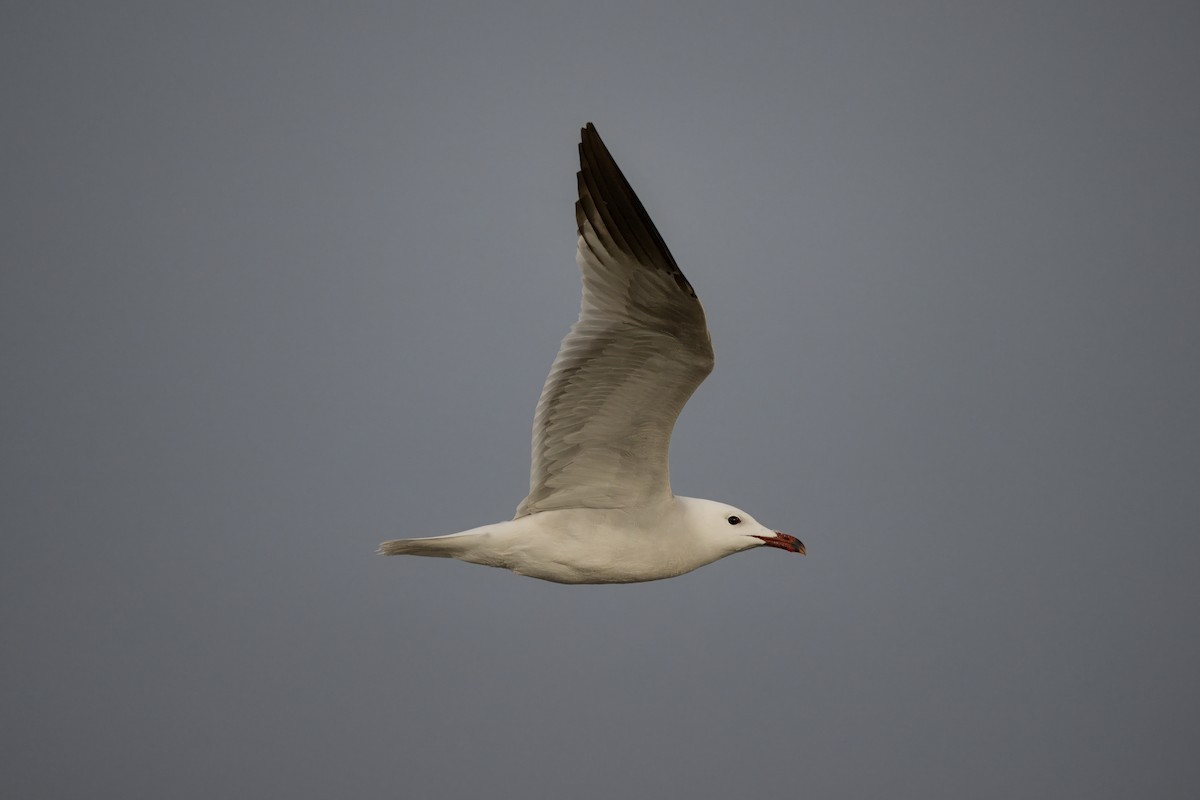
x=784, y=542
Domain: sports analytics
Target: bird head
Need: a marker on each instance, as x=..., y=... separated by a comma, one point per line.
x=735, y=530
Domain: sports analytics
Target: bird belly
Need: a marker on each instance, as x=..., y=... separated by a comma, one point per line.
x=577, y=547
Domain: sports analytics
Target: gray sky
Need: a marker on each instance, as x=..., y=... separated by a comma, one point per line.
x=281, y=282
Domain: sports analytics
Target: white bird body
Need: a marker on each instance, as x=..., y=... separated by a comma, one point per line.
x=601, y=545
x=600, y=507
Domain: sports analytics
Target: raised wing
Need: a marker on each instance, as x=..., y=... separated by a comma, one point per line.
x=629, y=363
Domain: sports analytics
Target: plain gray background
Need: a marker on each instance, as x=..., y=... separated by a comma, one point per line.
x=281, y=281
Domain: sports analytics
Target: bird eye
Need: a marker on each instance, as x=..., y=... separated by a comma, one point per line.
x=733, y=520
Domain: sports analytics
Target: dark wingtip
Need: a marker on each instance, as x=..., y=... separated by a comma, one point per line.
x=620, y=211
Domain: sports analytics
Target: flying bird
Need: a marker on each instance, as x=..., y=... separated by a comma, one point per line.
x=600, y=507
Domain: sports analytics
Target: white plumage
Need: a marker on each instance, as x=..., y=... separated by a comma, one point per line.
x=600, y=507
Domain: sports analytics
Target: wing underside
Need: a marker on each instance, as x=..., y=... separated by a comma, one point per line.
x=623, y=373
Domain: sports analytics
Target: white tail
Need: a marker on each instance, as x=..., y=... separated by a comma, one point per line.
x=464, y=545
x=437, y=547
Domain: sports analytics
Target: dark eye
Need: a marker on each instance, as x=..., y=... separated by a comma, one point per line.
x=733, y=519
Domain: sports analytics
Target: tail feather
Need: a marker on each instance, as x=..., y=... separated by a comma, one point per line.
x=437, y=547
x=478, y=546
x=455, y=545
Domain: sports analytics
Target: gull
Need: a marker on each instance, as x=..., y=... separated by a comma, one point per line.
x=600, y=507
